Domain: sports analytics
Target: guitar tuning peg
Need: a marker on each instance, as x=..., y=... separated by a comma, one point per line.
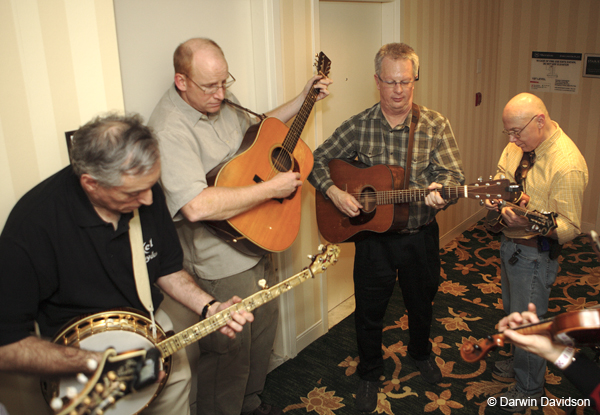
x=311, y=257
x=322, y=248
x=262, y=283
x=481, y=202
x=480, y=179
x=491, y=178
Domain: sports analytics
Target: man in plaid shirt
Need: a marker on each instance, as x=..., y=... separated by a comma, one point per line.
x=379, y=135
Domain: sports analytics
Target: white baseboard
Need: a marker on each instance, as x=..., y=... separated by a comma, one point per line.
x=310, y=335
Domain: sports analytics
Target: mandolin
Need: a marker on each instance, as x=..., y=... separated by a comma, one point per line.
x=541, y=223
x=576, y=328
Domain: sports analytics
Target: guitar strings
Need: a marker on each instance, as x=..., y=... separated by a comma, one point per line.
x=392, y=194
x=294, y=133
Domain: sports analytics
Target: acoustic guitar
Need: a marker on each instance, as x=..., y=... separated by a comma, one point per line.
x=267, y=149
x=578, y=328
x=385, y=203
x=541, y=223
x=128, y=333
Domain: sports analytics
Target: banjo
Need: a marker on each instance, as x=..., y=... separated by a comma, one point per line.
x=127, y=374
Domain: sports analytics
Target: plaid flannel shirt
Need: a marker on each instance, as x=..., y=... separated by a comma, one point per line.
x=369, y=138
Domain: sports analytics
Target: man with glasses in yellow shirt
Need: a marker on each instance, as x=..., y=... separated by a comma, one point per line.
x=197, y=131
x=552, y=175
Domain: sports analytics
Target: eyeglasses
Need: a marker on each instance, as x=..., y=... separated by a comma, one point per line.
x=392, y=84
x=517, y=132
x=212, y=89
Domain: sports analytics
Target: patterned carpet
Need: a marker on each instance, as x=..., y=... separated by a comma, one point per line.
x=322, y=379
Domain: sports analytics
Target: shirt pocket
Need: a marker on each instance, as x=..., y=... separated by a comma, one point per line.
x=420, y=162
x=372, y=155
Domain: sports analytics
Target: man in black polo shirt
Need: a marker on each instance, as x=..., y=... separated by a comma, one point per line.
x=65, y=252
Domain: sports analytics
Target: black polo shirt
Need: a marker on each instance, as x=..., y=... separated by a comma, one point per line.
x=59, y=260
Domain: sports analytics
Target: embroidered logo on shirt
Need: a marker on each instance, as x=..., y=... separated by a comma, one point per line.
x=150, y=254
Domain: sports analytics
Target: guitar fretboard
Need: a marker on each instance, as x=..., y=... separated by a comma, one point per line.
x=211, y=324
x=293, y=135
x=387, y=197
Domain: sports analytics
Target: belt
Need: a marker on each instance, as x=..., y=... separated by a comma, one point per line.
x=532, y=242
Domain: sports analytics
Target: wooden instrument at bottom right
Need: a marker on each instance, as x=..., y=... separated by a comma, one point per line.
x=579, y=328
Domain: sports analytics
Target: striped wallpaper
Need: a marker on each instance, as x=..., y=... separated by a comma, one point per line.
x=59, y=68
x=451, y=36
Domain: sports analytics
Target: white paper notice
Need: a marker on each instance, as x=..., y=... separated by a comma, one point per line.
x=555, y=72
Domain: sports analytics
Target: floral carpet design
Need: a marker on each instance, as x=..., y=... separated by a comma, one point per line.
x=322, y=378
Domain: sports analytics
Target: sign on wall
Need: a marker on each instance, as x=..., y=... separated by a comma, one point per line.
x=555, y=72
x=591, y=67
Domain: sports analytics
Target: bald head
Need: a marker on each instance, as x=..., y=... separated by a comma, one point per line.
x=524, y=109
x=184, y=54
x=525, y=106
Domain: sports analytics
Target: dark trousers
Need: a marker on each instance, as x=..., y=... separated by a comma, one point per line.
x=380, y=260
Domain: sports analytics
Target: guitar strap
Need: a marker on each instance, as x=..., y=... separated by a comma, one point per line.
x=140, y=270
x=262, y=117
x=416, y=112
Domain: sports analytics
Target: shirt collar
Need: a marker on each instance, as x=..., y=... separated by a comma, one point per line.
x=549, y=142
x=82, y=209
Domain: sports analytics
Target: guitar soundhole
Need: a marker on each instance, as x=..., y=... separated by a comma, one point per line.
x=368, y=198
x=281, y=159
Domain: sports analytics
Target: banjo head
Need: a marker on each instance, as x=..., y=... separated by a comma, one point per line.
x=123, y=330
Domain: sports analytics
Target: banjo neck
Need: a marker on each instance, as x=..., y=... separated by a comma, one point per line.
x=211, y=324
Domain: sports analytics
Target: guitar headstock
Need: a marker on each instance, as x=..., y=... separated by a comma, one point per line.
x=117, y=376
x=328, y=255
x=491, y=189
x=323, y=64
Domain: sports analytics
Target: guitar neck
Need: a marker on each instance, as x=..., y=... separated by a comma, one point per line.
x=293, y=135
x=211, y=324
x=388, y=197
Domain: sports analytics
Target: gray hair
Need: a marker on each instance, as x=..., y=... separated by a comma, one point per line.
x=108, y=147
x=397, y=51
